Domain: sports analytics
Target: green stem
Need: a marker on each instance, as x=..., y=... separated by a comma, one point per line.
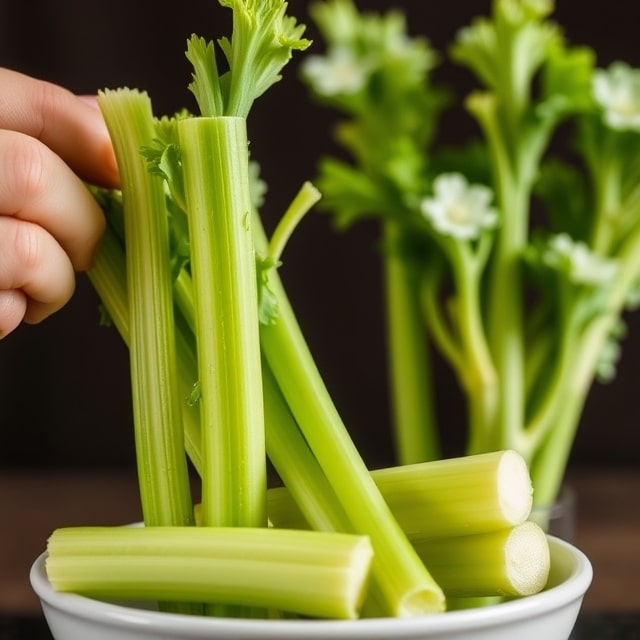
x=480, y=375
x=302, y=203
x=406, y=585
x=440, y=330
x=607, y=179
x=512, y=561
x=556, y=381
x=445, y=498
x=108, y=278
x=504, y=314
x=411, y=383
x=216, y=169
x=162, y=467
x=296, y=465
x=549, y=464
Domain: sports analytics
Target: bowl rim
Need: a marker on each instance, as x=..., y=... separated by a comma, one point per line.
x=571, y=590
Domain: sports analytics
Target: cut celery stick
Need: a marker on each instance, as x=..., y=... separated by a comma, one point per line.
x=508, y=562
x=215, y=162
x=162, y=465
x=469, y=494
x=451, y=497
x=305, y=572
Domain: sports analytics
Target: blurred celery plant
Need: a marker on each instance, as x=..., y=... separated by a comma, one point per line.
x=527, y=309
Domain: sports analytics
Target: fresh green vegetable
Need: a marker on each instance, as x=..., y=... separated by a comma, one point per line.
x=442, y=498
x=162, y=465
x=506, y=562
x=246, y=375
x=308, y=573
x=188, y=153
x=526, y=310
x=215, y=168
x=403, y=581
x=474, y=500
x=288, y=449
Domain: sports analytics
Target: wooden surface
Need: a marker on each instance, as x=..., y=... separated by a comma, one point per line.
x=608, y=531
x=32, y=504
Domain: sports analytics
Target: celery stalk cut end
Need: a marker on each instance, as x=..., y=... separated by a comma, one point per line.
x=422, y=601
x=516, y=489
x=527, y=559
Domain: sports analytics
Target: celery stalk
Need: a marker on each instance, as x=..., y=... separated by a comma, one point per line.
x=286, y=447
x=406, y=587
x=469, y=495
x=410, y=377
x=108, y=278
x=513, y=562
x=450, y=497
x=162, y=467
x=307, y=487
x=215, y=163
x=308, y=573
x=296, y=462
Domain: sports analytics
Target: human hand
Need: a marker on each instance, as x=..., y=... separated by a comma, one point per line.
x=50, y=225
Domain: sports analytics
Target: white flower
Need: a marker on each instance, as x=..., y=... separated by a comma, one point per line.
x=339, y=72
x=459, y=209
x=584, y=266
x=617, y=91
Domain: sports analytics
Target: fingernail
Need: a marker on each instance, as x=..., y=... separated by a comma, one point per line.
x=90, y=100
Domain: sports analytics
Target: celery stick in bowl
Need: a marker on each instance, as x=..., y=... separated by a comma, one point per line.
x=550, y=614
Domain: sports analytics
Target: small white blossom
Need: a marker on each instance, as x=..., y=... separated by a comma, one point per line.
x=584, y=266
x=617, y=91
x=459, y=209
x=339, y=72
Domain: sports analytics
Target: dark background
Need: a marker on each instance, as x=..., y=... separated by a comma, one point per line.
x=64, y=385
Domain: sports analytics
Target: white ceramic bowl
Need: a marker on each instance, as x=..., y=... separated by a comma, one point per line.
x=549, y=615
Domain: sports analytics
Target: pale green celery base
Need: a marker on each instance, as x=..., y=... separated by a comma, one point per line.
x=309, y=573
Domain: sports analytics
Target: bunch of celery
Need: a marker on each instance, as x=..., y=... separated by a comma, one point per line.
x=526, y=310
x=221, y=374
x=188, y=226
